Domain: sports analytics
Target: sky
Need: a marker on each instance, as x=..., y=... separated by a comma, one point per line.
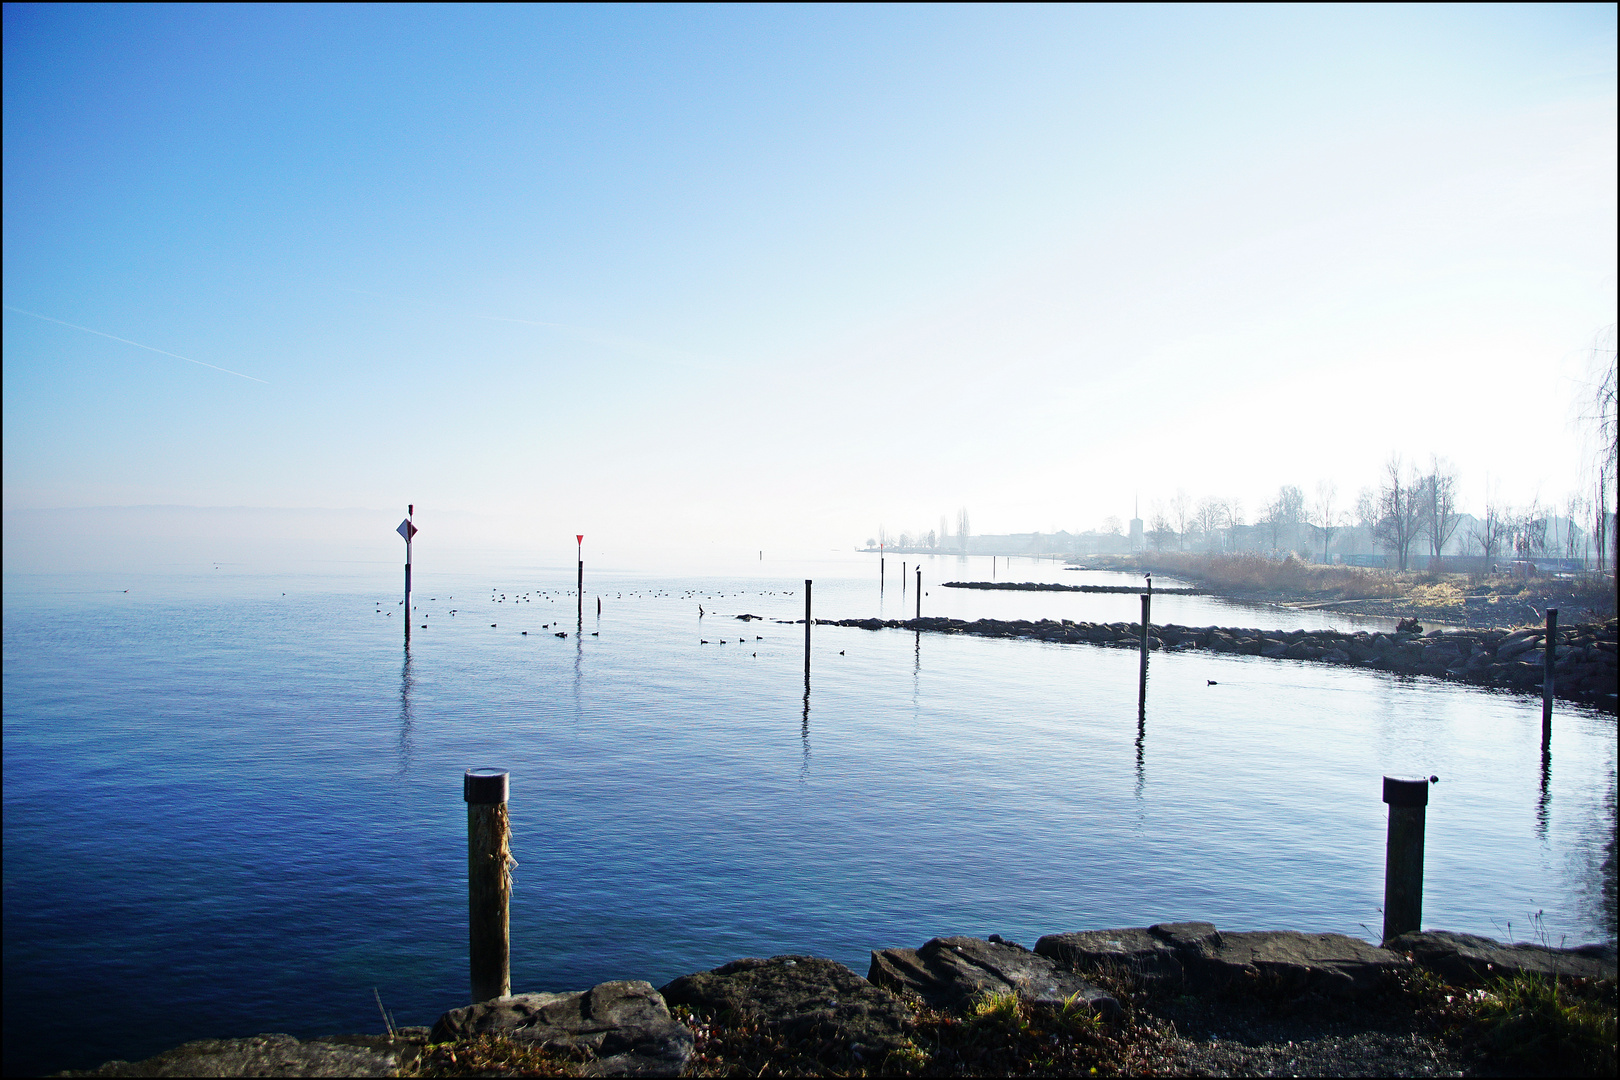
x=727, y=278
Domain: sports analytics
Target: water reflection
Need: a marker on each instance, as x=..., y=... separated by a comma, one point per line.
x=1545, y=798
x=1141, y=746
x=407, y=718
x=579, y=656
x=1141, y=689
x=804, y=727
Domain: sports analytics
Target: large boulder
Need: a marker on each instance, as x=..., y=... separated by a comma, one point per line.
x=1466, y=958
x=269, y=1055
x=1197, y=957
x=623, y=1027
x=953, y=972
x=799, y=997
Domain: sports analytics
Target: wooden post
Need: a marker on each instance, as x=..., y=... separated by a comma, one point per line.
x=1403, y=854
x=580, y=587
x=1141, y=683
x=489, y=882
x=880, y=568
x=807, y=624
x=902, y=580
x=1550, y=650
x=919, y=592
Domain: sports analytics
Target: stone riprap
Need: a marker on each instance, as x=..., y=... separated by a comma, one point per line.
x=1584, y=665
x=273, y=1055
x=623, y=1027
x=1195, y=957
x=628, y=1030
x=800, y=997
x=1468, y=958
x=953, y=972
x=1052, y=586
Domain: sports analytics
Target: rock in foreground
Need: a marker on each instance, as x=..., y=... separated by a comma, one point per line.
x=953, y=972
x=265, y=1055
x=1196, y=957
x=623, y=1027
x=1469, y=958
x=800, y=997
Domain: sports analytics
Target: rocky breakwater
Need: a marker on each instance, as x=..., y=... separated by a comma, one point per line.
x=1584, y=658
x=799, y=1009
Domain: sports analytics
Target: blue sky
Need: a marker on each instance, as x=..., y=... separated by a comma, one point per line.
x=776, y=276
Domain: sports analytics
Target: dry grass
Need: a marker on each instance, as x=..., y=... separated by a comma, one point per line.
x=1252, y=573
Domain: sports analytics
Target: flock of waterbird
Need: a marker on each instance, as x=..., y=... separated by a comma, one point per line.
x=496, y=596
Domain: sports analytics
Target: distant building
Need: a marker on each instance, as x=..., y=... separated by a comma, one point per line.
x=1136, y=534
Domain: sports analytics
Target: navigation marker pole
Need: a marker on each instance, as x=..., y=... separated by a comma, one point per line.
x=919, y=591
x=579, y=538
x=408, y=530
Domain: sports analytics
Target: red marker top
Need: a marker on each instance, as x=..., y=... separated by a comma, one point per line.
x=580, y=538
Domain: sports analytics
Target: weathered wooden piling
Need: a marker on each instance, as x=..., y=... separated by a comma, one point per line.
x=489, y=882
x=1549, y=654
x=1141, y=683
x=580, y=586
x=919, y=592
x=1408, y=799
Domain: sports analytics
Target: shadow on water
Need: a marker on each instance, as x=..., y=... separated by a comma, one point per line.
x=407, y=718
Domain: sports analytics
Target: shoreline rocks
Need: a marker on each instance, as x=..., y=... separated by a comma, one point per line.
x=1048, y=586
x=1585, y=668
x=625, y=1028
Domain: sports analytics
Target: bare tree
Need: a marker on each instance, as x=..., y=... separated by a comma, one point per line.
x=1602, y=417
x=1110, y=526
x=1487, y=531
x=1158, y=526
x=1600, y=519
x=1439, y=497
x=1574, y=511
x=944, y=531
x=1284, y=515
x=1400, y=511
x=1212, y=518
x=962, y=528
x=1324, y=517
x=1181, y=514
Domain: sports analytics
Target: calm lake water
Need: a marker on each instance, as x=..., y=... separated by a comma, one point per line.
x=233, y=803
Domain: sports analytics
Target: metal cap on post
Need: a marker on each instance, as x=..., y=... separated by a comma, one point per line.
x=1408, y=799
x=486, y=785
x=1406, y=791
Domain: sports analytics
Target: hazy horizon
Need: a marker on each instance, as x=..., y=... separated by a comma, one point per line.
x=713, y=278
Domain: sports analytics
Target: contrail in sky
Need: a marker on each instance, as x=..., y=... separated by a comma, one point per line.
x=137, y=344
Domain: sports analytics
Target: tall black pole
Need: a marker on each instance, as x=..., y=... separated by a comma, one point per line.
x=807, y=624
x=580, y=587
x=410, y=527
x=919, y=592
x=1549, y=651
